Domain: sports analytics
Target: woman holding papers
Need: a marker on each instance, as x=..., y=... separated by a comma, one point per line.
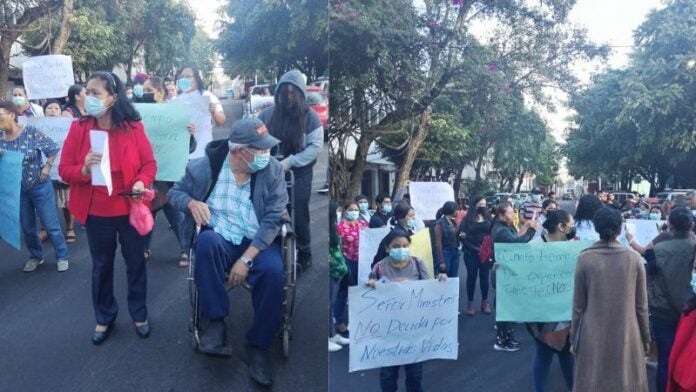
x=36, y=194
x=129, y=170
x=552, y=338
x=153, y=91
x=400, y=266
x=609, y=329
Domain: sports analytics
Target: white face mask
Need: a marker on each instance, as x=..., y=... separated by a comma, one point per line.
x=693, y=282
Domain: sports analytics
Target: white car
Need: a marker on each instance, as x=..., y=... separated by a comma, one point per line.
x=260, y=97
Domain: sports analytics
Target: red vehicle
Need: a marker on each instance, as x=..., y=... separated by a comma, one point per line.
x=320, y=104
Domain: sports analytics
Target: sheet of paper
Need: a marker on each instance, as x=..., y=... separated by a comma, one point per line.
x=101, y=173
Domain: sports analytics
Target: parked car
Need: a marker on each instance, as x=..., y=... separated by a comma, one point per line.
x=671, y=194
x=620, y=197
x=492, y=201
x=260, y=97
x=320, y=104
x=567, y=196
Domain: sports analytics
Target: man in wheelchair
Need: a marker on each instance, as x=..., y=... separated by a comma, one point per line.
x=237, y=195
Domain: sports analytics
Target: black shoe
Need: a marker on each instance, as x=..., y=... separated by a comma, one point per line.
x=324, y=189
x=259, y=365
x=212, y=340
x=99, y=337
x=144, y=330
x=304, y=261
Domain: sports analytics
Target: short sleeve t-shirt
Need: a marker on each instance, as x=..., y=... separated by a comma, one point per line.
x=415, y=270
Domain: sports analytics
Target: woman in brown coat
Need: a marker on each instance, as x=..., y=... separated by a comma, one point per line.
x=609, y=330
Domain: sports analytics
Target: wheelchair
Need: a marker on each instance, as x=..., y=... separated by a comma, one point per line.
x=289, y=255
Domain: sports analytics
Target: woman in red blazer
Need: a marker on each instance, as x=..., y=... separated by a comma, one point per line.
x=105, y=215
x=682, y=359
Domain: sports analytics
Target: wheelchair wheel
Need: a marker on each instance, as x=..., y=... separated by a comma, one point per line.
x=286, y=342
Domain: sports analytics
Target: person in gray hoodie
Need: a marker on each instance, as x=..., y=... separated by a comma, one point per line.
x=237, y=194
x=301, y=137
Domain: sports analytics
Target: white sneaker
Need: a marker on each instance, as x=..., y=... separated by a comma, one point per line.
x=63, y=265
x=338, y=339
x=31, y=265
x=333, y=347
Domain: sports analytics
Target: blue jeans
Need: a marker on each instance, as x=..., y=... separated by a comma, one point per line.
x=474, y=268
x=174, y=217
x=664, y=332
x=102, y=234
x=41, y=199
x=543, y=356
x=389, y=377
x=214, y=259
x=351, y=279
x=452, y=262
x=334, y=284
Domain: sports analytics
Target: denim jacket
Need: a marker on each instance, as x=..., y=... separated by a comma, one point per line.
x=268, y=190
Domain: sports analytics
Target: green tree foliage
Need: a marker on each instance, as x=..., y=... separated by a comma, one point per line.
x=273, y=36
x=641, y=120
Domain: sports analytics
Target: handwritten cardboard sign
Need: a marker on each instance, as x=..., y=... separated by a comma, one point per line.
x=48, y=76
x=10, y=185
x=535, y=280
x=403, y=323
x=56, y=128
x=200, y=115
x=165, y=126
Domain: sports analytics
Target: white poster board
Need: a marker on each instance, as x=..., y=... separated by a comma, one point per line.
x=101, y=172
x=403, y=323
x=56, y=128
x=369, y=245
x=48, y=76
x=200, y=115
x=428, y=197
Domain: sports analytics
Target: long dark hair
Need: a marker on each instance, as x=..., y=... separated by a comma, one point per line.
x=73, y=92
x=196, y=75
x=470, y=217
x=122, y=110
x=288, y=125
x=554, y=218
x=587, y=207
x=607, y=223
x=448, y=208
x=690, y=305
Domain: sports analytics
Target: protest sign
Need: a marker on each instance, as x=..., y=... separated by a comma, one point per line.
x=402, y=323
x=101, y=172
x=10, y=184
x=200, y=115
x=56, y=128
x=422, y=248
x=48, y=76
x=428, y=197
x=534, y=281
x=368, y=247
x=165, y=126
x=644, y=231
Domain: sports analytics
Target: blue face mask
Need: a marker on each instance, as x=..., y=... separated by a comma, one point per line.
x=19, y=101
x=412, y=224
x=184, y=84
x=386, y=208
x=655, y=216
x=693, y=282
x=352, y=215
x=363, y=207
x=95, y=106
x=400, y=254
x=338, y=217
x=260, y=161
x=138, y=90
x=536, y=198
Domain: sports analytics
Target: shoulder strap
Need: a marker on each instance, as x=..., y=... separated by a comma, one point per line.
x=418, y=264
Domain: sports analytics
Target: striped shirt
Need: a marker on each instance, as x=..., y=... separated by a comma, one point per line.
x=232, y=212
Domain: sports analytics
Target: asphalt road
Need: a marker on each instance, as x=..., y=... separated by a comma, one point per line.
x=478, y=367
x=47, y=322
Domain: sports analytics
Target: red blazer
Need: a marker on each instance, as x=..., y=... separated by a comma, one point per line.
x=682, y=360
x=134, y=151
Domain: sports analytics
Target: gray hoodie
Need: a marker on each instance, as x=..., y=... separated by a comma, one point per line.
x=314, y=136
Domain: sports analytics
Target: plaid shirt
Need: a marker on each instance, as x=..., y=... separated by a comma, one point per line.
x=231, y=209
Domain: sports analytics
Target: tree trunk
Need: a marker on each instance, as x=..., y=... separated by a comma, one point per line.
x=6, y=42
x=404, y=172
x=66, y=25
x=457, y=182
x=519, y=184
x=359, y=164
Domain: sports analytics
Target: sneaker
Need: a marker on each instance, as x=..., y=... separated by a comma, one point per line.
x=505, y=346
x=31, y=265
x=338, y=339
x=511, y=340
x=333, y=347
x=324, y=189
x=63, y=265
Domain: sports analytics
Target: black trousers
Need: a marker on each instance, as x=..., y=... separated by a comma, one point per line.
x=102, y=234
x=303, y=192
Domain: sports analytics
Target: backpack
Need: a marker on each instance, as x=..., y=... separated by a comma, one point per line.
x=486, y=250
